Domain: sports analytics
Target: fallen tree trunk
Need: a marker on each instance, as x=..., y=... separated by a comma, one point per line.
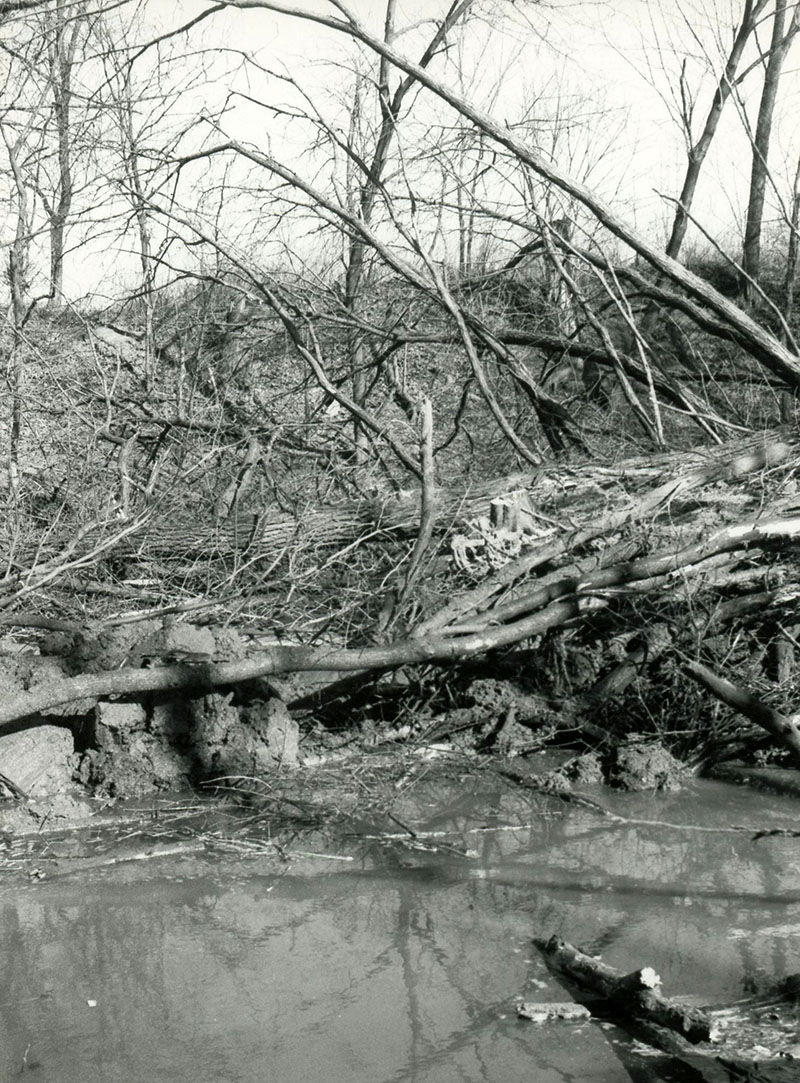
x=537, y=612
x=202, y=676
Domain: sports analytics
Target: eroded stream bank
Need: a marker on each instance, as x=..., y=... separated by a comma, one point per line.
x=386, y=959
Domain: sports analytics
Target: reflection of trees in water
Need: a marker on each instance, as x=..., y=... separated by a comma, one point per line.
x=438, y=939
x=664, y=895
x=403, y=971
x=85, y=946
x=461, y=972
x=21, y=963
x=104, y=942
x=651, y=894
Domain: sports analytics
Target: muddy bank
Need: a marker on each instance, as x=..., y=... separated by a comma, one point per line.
x=129, y=746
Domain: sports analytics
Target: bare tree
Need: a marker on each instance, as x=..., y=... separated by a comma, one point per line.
x=773, y=61
x=22, y=144
x=698, y=148
x=375, y=159
x=63, y=36
x=45, y=57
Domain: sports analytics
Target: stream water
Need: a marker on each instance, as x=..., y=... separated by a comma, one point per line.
x=399, y=964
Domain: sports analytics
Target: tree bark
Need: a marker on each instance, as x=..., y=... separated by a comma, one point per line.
x=792, y=251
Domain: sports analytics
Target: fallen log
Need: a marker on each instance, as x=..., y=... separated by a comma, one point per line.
x=566, y=601
x=604, y=498
x=200, y=677
x=709, y=1066
x=597, y=521
x=720, y=1045
x=637, y=993
x=733, y=543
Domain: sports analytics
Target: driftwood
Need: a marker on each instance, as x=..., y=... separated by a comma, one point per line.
x=718, y=1044
x=637, y=994
x=545, y=1013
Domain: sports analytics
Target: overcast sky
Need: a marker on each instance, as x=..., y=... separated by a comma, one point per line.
x=616, y=63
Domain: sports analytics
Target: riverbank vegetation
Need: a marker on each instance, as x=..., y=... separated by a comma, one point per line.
x=388, y=389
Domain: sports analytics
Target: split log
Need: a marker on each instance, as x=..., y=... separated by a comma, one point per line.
x=665, y=497
x=637, y=994
x=544, y=1013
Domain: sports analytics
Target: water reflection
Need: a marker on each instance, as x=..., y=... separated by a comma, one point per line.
x=402, y=966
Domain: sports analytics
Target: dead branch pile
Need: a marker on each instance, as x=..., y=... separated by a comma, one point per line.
x=650, y=522
x=708, y=532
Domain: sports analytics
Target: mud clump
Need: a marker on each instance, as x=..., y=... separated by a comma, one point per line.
x=59, y=810
x=38, y=760
x=644, y=765
x=143, y=643
x=127, y=748
x=585, y=770
x=253, y=739
x=639, y=765
x=136, y=748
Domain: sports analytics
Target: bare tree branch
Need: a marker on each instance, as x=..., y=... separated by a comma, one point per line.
x=765, y=347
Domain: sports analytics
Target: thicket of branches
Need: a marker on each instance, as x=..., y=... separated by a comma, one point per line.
x=274, y=333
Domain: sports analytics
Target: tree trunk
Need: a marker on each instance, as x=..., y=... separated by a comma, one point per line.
x=18, y=265
x=698, y=151
x=793, y=248
x=784, y=728
x=65, y=29
x=781, y=42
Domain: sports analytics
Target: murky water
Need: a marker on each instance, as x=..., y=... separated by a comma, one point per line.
x=400, y=964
